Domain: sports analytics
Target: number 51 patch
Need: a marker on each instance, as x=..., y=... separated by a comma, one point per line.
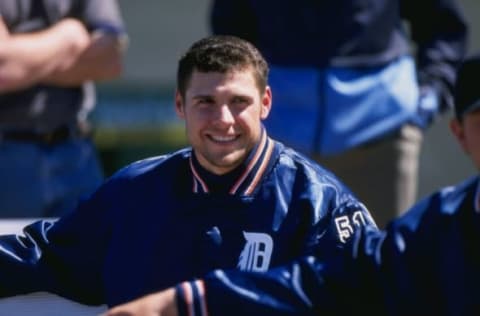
x=345, y=225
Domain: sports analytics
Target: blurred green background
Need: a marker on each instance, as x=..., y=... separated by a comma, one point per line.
x=135, y=116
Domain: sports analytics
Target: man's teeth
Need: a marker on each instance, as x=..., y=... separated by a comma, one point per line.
x=223, y=138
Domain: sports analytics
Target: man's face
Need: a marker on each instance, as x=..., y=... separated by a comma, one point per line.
x=223, y=114
x=468, y=134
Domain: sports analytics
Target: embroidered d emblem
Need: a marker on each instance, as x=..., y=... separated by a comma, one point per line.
x=257, y=252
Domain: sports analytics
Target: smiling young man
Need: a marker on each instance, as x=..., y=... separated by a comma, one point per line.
x=235, y=199
x=222, y=112
x=426, y=262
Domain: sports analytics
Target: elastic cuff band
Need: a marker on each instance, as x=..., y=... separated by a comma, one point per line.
x=190, y=298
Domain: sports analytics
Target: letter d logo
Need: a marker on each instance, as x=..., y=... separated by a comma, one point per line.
x=257, y=252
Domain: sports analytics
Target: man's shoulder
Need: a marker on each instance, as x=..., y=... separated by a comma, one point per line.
x=446, y=202
x=310, y=169
x=448, y=199
x=157, y=164
x=452, y=197
x=310, y=180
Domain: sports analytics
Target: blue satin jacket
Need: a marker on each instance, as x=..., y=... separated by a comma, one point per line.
x=164, y=220
x=425, y=263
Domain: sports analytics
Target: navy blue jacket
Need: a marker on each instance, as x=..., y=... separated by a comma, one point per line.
x=425, y=263
x=163, y=220
x=351, y=33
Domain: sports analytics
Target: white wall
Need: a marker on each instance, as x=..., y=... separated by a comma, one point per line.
x=159, y=32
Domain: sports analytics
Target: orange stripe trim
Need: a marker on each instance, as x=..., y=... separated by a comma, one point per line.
x=195, y=174
x=261, y=170
x=250, y=166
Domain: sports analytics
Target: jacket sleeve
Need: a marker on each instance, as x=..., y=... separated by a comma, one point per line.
x=298, y=287
x=378, y=272
x=354, y=280
x=439, y=31
x=63, y=257
x=306, y=286
x=228, y=17
x=291, y=289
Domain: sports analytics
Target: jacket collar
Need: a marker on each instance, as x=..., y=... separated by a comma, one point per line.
x=242, y=180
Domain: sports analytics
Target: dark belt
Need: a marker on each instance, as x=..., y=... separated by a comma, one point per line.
x=56, y=136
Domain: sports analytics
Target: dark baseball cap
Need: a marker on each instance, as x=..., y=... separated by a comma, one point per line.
x=467, y=89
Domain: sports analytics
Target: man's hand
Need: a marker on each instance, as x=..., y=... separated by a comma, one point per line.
x=157, y=304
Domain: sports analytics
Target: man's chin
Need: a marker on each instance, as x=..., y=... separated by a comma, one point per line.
x=228, y=162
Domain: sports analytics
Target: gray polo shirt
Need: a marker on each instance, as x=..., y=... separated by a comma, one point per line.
x=43, y=108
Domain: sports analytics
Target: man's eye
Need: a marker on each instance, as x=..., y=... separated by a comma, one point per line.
x=239, y=100
x=205, y=101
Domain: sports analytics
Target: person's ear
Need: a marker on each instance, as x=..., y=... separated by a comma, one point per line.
x=179, y=105
x=458, y=131
x=266, y=103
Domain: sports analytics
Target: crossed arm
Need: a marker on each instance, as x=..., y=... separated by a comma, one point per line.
x=65, y=54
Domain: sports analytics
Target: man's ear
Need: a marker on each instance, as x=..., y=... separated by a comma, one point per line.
x=266, y=103
x=179, y=105
x=457, y=130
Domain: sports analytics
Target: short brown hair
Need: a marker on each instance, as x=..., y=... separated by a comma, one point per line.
x=221, y=53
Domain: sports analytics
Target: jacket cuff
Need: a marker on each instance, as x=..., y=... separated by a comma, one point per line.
x=190, y=298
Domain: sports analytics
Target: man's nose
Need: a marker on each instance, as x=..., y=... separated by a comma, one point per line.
x=225, y=114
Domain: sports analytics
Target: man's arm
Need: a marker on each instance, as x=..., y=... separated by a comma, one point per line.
x=344, y=284
x=27, y=59
x=100, y=60
x=297, y=288
x=304, y=286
